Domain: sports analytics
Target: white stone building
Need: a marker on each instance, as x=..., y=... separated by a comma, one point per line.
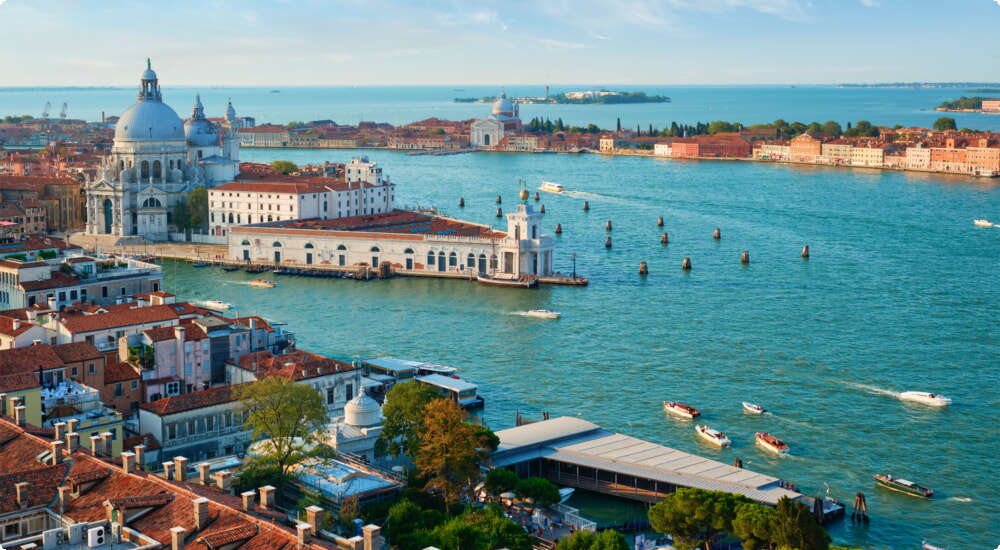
x=155, y=161
x=357, y=431
x=487, y=132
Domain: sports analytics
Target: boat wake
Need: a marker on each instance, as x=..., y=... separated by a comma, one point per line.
x=595, y=197
x=875, y=390
x=960, y=499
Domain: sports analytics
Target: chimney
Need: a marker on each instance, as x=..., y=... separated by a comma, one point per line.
x=179, y=334
x=181, y=468
x=303, y=532
x=71, y=425
x=204, y=476
x=32, y=316
x=128, y=462
x=95, y=444
x=64, y=498
x=248, y=498
x=373, y=537
x=177, y=538
x=20, y=412
x=60, y=430
x=22, y=494
x=168, y=470
x=222, y=480
x=52, y=303
x=107, y=444
x=314, y=515
x=57, y=451
x=72, y=441
x=201, y=513
x=267, y=497
x=3, y=403
x=140, y=455
x=17, y=324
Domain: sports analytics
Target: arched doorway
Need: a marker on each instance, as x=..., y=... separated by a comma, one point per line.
x=482, y=263
x=375, y=250
x=409, y=258
x=277, y=253
x=441, y=262
x=107, y=216
x=486, y=139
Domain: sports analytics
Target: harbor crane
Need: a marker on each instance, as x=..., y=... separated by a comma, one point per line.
x=62, y=114
x=45, y=113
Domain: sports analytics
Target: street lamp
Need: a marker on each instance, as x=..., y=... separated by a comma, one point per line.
x=574, y=266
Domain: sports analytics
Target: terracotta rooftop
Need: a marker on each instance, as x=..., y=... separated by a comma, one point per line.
x=148, y=440
x=43, y=483
x=78, y=324
x=396, y=222
x=57, y=279
x=191, y=401
x=76, y=351
x=191, y=332
x=29, y=359
x=119, y=372
x=281, y=187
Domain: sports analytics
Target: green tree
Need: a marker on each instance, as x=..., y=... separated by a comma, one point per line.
x=284, y=166
x=833, y=128
x=489, y=530
x=754, y=523
x=350, y=508
x=258, y=473
x=609, y=540
x=404, y=417
x=719, y=126
x=197, y=209
x=580, y=540
x=695, y=517
x=284, y=412
x=450, y=451
x=944, y=123
x=500, y=481
x=436, y=132
x=542, y=492
x=618, y=125
x=180, y=216
x=796, y=527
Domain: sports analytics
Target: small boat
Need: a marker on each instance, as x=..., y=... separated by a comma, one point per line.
x=565, y=493
x=199, y=264
x=982, y=223
x=217, y=305
x=230, y=268
x=543, y=313
x=513, y=281
x=681, y=409
x=903, y=486
x=714, y=437
x=933, y=399
x=771, y=443
x=924, y=545
x=552, y=187
x=263, y=283
x=754, y=408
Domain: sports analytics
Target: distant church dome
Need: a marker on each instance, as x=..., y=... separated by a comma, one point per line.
x=503, y=106
x=362, y=411
x=198, y=130
x=149, y=119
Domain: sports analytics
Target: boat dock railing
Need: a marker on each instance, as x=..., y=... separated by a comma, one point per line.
x=572, y=516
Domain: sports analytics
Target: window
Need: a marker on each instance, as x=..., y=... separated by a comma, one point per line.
x=430, y=258
x=329, y=396
x=12, y=530
x=118, y=390
x=135, y=385
x=92, y=368
x=227, y=420
x=74, y=372
x=192, y=425
x=350, y=391
x=210, y=424
x=104, y=292
x=172, y=431
x=187, y=368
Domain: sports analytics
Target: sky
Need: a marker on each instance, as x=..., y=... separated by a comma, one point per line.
x=451, y=42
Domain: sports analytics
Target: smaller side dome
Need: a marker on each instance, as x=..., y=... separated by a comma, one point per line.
x=362, y=411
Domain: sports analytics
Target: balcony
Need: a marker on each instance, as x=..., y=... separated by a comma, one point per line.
x=68, y=393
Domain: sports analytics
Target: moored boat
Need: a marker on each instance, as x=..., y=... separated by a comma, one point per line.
x=217, y=305
x=714, y=437
x=681, y=409
x=552, y=187
x=199, y=264
x=263, y=283
x=565, y=493
x=771, y=443
x=754, y=408
x=511, y=281
x=903, y=486
x=544, y=313
x=933, y=399
x=982, y=223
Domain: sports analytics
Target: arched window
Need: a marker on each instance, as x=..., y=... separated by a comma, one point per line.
x=493, y=261
x=408, y=251
x=375, y=249
x=341, y=247
x=453, y=259
x=245, y=243
x=151, y=203
x=157, y=169
x=471, y=260
x=238, y=220
x=486, y=139
x=144, y=169
x=249, y=218
x=121, y=165
x=276, y=244
x=230, y=217
x=269, y=218
x=430, y=258
x=309, y=245
x=171, y=164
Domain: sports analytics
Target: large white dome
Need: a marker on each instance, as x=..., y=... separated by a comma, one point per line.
x=362, y=411
x=503, y=106
x=149, y=121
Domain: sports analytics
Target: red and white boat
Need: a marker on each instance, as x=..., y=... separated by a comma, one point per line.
x=714, y=437
x=771, y=443
x=511, y=281
x=680, y=409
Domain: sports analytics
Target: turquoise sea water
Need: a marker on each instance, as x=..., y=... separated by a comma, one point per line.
x=900, y=293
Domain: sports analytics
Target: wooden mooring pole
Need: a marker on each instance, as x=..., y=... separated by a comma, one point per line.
x=860, y=512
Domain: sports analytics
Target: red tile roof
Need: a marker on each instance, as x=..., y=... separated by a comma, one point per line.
x=75, y=352
x=119, y=372
x=43, y=484
x=281, y=187
x=29, y=359
x=396, y=222
x=191, y=332
x=148, y=440
x=57, y=279
x=78, y=324
x=191, y=401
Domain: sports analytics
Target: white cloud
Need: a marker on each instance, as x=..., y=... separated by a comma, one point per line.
x=249, y=17
x=464, y=19
x=874, y=3
x=557, y=46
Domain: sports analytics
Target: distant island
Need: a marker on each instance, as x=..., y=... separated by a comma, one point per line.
x=924, y=85
x=591, y=97
x=966, y=104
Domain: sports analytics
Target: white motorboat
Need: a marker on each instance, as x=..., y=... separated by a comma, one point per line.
x=681, y=409
x=544, y=313
x=754, y=408
x=552, y=187
x=771, y=443
x=714, y=437
x=933, y=399
x=982, y=223
x=263, y=283
x=565, y=493
x=217, y=305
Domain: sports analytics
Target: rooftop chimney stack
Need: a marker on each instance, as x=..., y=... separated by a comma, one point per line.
x=181, y=467
x=57, y=451
x=20, y=412
x=22, y=494
x=303, y=531
x=60, y=430
x=140, y=455
x=223, y=480
x=204, y=475
x=314, y=515
x=3, y=403
x=177, y=538
x=128, y=462
x=373, y=537
x=168, y=470
x=72, y=441
x=248, y=500
x=64, y=498
x=267, y=497
x=201, y=513
x=71, y=425
x=107, y=443
x=95, y=444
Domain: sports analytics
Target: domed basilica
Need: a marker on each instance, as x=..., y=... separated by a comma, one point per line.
x=155, y=161
x=487, y=132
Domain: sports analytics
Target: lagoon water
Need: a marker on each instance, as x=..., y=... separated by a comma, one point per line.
x=900, y=293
